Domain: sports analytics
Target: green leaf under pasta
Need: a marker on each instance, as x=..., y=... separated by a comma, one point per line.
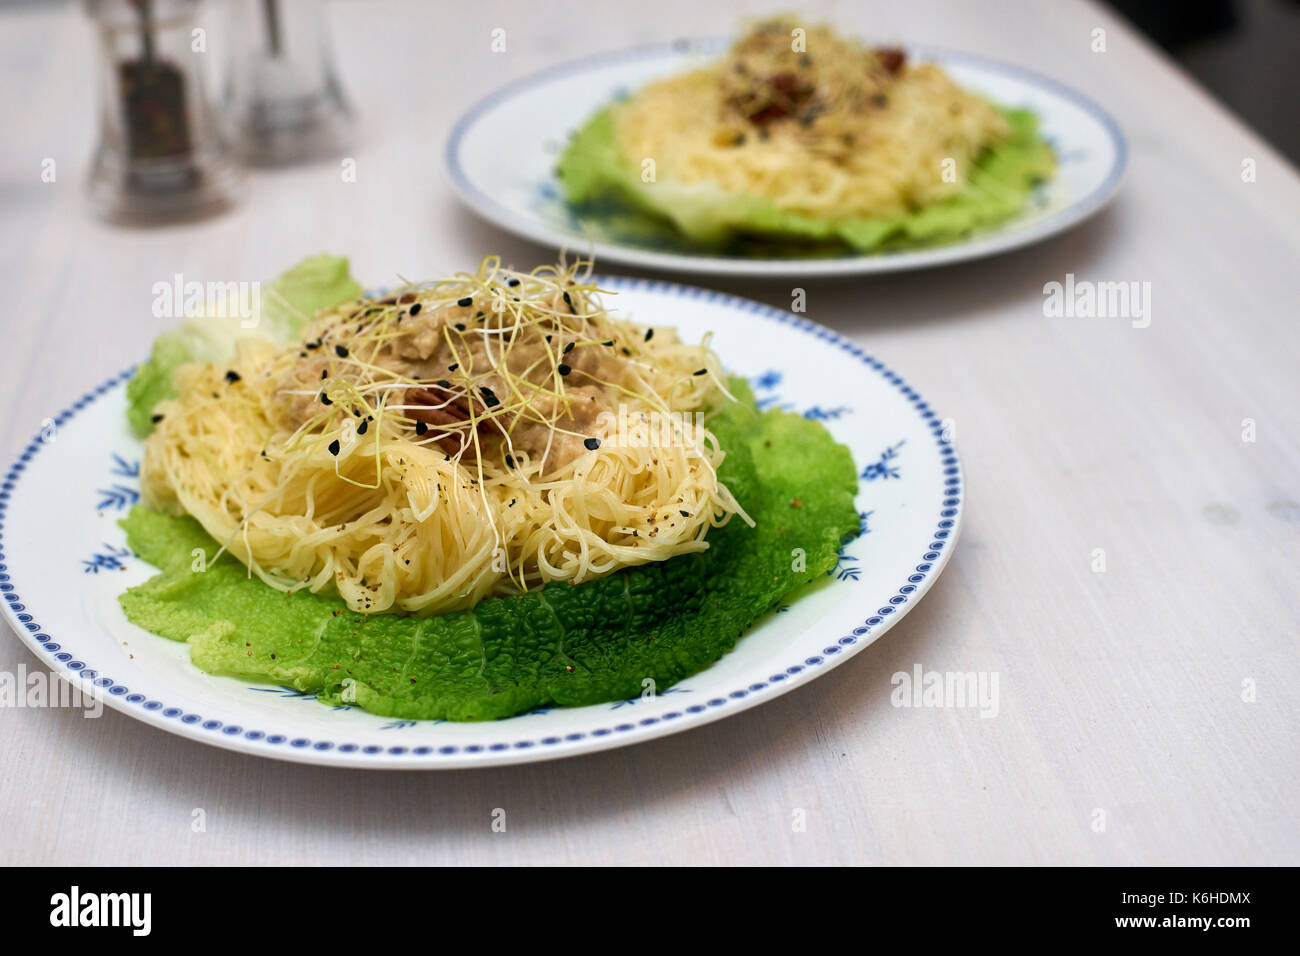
x=606, y=190
x=563, y=644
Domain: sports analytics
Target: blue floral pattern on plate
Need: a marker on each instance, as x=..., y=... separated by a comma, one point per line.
x=505, y=741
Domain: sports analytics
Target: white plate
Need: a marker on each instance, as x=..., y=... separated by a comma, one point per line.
x=63, y=562
x=501, y=158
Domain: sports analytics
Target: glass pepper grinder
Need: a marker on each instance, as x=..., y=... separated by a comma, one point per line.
x=160, y=156
x=282, y=98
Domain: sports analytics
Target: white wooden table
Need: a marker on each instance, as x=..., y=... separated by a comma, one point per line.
x=1121, y=691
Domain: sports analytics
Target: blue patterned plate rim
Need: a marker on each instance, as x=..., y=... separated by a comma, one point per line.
x=933, y=556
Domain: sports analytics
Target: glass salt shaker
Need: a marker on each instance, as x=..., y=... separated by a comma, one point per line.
x=160, y=156
x=282, y=101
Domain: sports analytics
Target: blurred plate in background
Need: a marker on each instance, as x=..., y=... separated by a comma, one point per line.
x=501, y=158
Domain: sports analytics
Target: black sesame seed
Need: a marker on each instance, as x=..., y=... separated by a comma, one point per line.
x=510, y=462
x=684, y=514
x=699, y=371
x=512, y=283
x=415, y=309
x=453, y=367
x=312, y=345
x=563, y=369
x=465, y=302
x=568, y=300
x=569, y=348
x=361, y=429
x=592, y=444
x=443, y=383
x=489, y=397
x=325, y=399
x=421, y=428
x=649, y=334
x=334, y=447
x=232, y=376
x=156, y=419
x=340, y=351
x=460, y=326
x=610, y=343
x=324, y=373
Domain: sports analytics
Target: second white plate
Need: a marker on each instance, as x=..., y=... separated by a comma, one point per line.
x=501, y=158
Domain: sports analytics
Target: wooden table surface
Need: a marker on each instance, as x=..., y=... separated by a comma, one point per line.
x=1124, y=693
